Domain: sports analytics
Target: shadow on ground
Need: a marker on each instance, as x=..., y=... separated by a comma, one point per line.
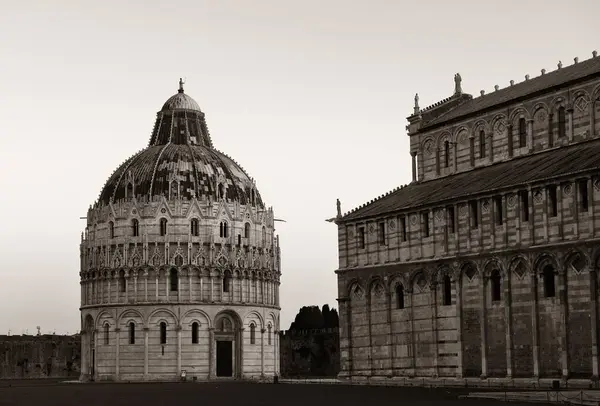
x=224, y=394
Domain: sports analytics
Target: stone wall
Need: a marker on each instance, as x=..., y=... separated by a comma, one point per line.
x=310, y=352
x=42, y=356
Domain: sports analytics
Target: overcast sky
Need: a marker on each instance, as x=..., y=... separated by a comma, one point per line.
x=310, y=97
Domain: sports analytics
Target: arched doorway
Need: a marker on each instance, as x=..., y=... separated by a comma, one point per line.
x=227, y=349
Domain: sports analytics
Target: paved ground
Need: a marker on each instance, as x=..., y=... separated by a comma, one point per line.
x=46, y=393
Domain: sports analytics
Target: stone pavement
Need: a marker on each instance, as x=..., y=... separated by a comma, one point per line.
x=575, y=397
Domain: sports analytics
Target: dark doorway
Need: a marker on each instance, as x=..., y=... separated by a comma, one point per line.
x=224, y=358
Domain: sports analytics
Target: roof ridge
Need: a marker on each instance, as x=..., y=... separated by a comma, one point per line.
x=376, y=199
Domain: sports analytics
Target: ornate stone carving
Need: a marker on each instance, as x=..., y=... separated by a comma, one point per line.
x=567, y=189
x=511, y=200
x=537, y=196
x=462, y=210
x=581, y=104
x=413, y=219
x=392, y=224
x=485, y=206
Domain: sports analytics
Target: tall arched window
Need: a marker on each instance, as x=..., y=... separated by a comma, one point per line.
x=481, y=144
x=264, y=236
x=194, y=227
x=522, y=132
x=252, y=333
x=549, y=286
x=129, y=191
x=226, y=281
x=135, y=227
x=399, y=296
x=106, y=334
x=163, y=332
x=163, y=226
x=221, y=189
x=111, y=229
x=195, y=327
x=174, y=280
x=223, y=229
x=122, y=281
x=562, y=122
x=131, y=332
x=446, y=154
x=496, y=285
x=247, y=230
x=447, y=291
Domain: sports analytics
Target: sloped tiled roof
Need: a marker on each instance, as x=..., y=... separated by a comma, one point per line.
x=578, y=71
x=528, y=169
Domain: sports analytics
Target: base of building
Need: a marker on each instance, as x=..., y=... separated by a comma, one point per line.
x=471, y=382
x=86, y=378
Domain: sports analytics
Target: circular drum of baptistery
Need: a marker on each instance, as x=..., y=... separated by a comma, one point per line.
x=180, y=266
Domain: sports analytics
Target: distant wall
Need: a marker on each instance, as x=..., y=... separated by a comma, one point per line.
x=43, y=356
x=310, y=352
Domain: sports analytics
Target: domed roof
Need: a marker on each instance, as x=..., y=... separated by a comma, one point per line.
x=180, y=162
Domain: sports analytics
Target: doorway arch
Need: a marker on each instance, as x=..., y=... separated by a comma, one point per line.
x=227, y=356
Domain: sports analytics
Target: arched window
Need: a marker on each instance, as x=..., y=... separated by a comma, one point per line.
x=522, y=132
x=247, y=230
x=223, y=229
x=226, y=281
x=174, y=279
x=163, y=226
x=131, y=332
x=562, y=122
x=481, y=144
x=496, y=284
x=221, y=190
x=129, y=191
x=252, y=197
x=174, y=190
x=264, y=236
x=111, y=229
x=400, y=296
x=252, y=333
x=447, y=291
x=194, y=227
x=549, y=287
x=135, y=227
x=106, y=334
x=446, y=154
x=195, y=326
x=122, y=281
x=163, y=332
x=269, y=334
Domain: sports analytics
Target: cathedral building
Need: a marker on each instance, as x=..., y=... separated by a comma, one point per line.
x=486, y=264
x=180, y=266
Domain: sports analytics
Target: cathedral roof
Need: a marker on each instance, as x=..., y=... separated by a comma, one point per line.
x=179, y=162
x=511, y=94
x=526, y=170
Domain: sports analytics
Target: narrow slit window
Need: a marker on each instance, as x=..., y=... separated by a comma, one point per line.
x=361, y=237
x=496, y=282
x=247, y=230
x=163, y=227
x=195, y=327
x=252, y=333
x=174, y=279
x=131, y=333
x=226, y=281
x=583, y=194
x=122, y=281
x=472, y=151
x=382, y=233
x=403, y=225
x=106, y=334
x=111, y=229
x=425, y=219
x=135, y=225
x=474, y=214
x=524, y=205
x=549, y=286
x=400, y=296
x=194, y=225
x=451, y=219
x=447, y=291
x=163, y=333
x=553, y=201
x=498, y=212
x=223, y=229
x=562, y=122
x=446, y=154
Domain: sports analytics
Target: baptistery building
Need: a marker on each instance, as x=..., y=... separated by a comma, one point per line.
x=180, y=266
x=486, y=265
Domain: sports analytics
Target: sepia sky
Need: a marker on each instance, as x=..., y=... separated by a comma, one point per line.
x=310, y=97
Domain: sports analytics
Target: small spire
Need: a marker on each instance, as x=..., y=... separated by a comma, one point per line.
x=181, y=83
x=559, y=64
x=339, y=208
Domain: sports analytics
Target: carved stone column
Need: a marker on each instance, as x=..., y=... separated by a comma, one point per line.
x=594, y=321
x=146, y=343
x=564, y=336
x=458, y=287
x=534, y=325
x=157, y=283
x=178, y=349
x=190, y=281
x=145, y=285
x=434, y=332
x=482, y=291
x=508, y=323
x=262, y=352
x=211, y=353
x=571, y=131
x=413, y=344
x=530, y=134
x=117, y=353
x=241, y=353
